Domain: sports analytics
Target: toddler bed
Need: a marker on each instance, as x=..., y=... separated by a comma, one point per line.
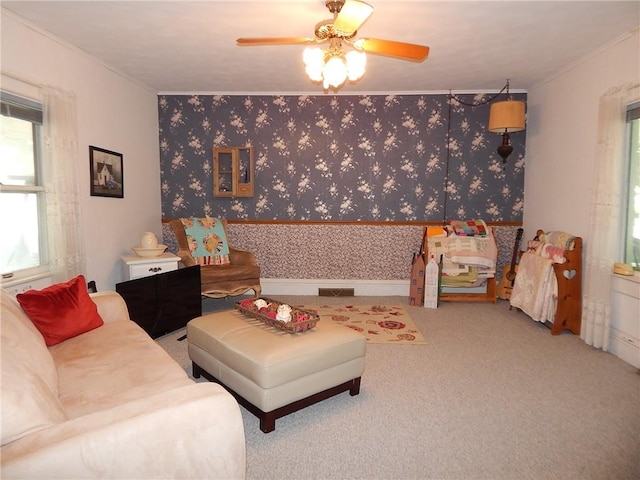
x=548, y=283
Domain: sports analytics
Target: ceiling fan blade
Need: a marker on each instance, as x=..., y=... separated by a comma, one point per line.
x=274, y=41
x=351, y=17
x=405, y=51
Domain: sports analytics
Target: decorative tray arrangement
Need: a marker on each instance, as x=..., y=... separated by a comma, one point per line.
x=279, y=315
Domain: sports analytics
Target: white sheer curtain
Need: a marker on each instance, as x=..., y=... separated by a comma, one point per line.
x=603, y=239
x=67, y=256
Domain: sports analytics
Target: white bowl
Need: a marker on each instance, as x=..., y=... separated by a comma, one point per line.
x=150, y=252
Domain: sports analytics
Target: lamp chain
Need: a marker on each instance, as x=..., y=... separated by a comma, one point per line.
x=483, y=102
x=446, y=175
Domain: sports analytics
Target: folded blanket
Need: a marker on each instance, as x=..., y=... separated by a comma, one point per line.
x=547, y=250
x=476, y=251
x=467, y=279
x=469, y=228
x=559, y=239
x=535, y=289
x=433, y=231
x=453, y=269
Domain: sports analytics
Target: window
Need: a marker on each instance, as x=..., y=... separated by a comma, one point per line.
x=23, y=239
x=632, y=237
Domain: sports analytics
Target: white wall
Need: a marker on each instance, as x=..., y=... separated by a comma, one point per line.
x=114, y=113
x=561, y=152
x=562, y=118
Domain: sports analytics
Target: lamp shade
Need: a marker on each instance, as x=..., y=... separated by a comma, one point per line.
x=507, y=116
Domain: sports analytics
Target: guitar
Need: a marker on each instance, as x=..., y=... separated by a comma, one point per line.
x=509, y=273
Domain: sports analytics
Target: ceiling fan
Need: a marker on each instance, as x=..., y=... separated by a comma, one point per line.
x=340, y=31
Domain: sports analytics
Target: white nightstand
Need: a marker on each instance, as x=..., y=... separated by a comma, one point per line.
x=138, y=267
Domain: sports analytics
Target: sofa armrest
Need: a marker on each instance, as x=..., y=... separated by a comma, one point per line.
x=241, y=257
x=189, y=432
x=111, y=306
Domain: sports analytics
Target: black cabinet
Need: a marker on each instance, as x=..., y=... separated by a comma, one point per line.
x=164, y=302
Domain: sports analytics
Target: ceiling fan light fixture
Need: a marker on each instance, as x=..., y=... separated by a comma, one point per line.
x=334, y=72
x=333, y=67
x=356, y=63
x=314, y=63
x=353, y=13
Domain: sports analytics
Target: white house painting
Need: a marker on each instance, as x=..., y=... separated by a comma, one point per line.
x=106, y=168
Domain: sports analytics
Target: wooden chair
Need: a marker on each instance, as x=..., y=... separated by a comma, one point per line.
x=219, y=281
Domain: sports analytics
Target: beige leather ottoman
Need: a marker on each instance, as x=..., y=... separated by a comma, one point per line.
x=274, y=373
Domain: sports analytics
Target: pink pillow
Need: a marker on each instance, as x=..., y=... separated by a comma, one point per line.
x=61, y=311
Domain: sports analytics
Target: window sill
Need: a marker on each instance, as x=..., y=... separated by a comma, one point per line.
x=40, y=278
x=626, y=284
x=635, y=278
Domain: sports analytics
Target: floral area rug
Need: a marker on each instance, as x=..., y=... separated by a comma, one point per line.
x=379, y=324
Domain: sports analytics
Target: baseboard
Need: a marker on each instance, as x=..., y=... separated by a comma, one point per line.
x=371, y=288
x=624, y=347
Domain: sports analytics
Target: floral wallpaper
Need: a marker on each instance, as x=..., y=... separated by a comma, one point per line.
x=352, y=251
x=381, y=158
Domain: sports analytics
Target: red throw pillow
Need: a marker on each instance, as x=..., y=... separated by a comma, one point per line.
x=61, y=311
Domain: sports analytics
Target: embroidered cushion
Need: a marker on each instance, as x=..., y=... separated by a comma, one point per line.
x=207, y=240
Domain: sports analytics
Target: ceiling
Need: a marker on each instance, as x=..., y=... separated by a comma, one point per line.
x=189, y=46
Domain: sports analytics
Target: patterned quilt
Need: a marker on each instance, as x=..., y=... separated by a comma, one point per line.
x=535, y=290
x=467, y=261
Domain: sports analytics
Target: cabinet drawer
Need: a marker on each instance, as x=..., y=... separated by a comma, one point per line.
x=245, y=190
x=144, y=270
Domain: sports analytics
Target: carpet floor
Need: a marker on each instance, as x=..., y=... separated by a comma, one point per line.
x=493, y=395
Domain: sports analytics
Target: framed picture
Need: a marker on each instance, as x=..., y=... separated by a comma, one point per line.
x=107, y=175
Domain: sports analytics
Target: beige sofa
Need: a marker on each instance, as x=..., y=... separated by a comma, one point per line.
x=109, y=403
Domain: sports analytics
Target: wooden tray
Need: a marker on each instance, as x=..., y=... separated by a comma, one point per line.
x=310, y=318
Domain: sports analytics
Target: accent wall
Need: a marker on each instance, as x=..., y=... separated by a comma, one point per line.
x=377, y=158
